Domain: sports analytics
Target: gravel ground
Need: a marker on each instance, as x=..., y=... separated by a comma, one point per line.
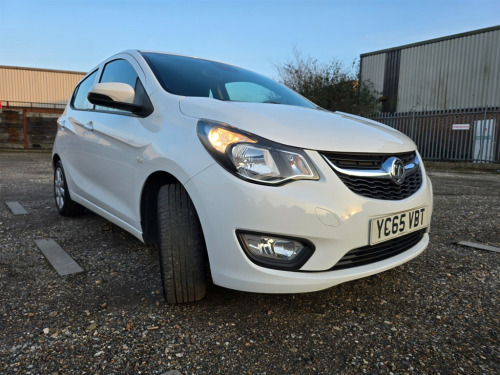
x=437, y=314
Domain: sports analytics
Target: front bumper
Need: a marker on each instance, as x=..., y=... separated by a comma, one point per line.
x=324, y=212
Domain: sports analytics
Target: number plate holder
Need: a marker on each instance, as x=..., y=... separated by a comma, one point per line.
x=387, y=227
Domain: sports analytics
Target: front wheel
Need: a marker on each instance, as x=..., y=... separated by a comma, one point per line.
x=64, y=204
x=182, y=246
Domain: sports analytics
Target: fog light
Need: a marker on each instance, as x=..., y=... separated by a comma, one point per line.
x=276, y=252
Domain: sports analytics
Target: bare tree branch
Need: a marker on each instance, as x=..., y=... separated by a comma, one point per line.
x=332, y=85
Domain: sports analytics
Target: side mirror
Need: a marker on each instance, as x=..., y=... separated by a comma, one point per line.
x=114, y=95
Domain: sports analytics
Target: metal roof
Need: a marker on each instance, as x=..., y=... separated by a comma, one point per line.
x=449, y=37
x=41, y=69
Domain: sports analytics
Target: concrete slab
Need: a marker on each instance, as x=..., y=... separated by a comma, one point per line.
x=479, y=246
x=16, y=208
x=57, y=257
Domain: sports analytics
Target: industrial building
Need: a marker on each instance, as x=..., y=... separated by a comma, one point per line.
x=456, y=71
x=28, y=86
x=443, y=93
x=30, y=102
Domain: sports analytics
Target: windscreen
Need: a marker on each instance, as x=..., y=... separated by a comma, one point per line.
x=188, y=76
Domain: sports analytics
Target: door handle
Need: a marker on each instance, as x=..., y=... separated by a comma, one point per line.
x=89, y=126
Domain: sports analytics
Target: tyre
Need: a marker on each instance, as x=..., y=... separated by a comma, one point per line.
x=181, y=246
x=65, y=206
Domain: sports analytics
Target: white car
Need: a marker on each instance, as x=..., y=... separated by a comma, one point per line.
x=229, y=171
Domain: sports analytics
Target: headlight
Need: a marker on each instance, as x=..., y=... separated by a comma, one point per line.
x=254, y=158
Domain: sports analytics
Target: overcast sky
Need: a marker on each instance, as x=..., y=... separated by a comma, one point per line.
x=77, y=35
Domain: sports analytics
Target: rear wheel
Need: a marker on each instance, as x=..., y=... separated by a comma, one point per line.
x=64, y=204
x=182, y=246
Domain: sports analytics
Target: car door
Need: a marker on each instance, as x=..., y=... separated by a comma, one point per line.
x=72, y=132
x=109, y=152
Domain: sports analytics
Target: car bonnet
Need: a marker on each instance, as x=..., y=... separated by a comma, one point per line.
x=314, y=129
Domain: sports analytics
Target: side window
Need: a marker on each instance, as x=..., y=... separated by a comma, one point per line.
x=121, y=71
x=80, y=97
x=249, y=92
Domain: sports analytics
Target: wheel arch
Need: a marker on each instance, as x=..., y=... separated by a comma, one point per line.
x=55, y=159
x=149, y=203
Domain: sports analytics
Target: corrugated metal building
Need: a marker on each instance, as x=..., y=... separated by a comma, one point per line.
x=19, y=86
x=457, y=71
x=31, y=100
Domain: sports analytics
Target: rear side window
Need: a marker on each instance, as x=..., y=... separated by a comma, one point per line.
x=80, y=97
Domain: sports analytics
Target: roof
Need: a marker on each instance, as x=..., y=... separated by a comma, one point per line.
x=454, y=36
x=41, y=69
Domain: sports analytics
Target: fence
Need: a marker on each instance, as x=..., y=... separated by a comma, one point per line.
x=468, y=135
x=14, y=104
x=26, y=125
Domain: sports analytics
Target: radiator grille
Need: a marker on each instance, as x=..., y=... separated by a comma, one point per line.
x=365, y=161
x=375, y=187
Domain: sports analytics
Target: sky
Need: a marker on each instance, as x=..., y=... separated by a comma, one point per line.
x=256, y=34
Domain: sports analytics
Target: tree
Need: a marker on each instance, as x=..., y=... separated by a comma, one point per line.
x=332, y=86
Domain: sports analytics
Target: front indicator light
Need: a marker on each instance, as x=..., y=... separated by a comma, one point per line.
x=276, y=252
x=221, y=138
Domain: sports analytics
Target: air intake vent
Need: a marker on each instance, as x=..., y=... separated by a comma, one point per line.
x=381, y=251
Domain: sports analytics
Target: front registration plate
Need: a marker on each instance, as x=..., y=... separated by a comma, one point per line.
x=386, y=227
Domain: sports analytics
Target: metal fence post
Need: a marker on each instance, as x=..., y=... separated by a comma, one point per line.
x=25, y=130
x=412, y=126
